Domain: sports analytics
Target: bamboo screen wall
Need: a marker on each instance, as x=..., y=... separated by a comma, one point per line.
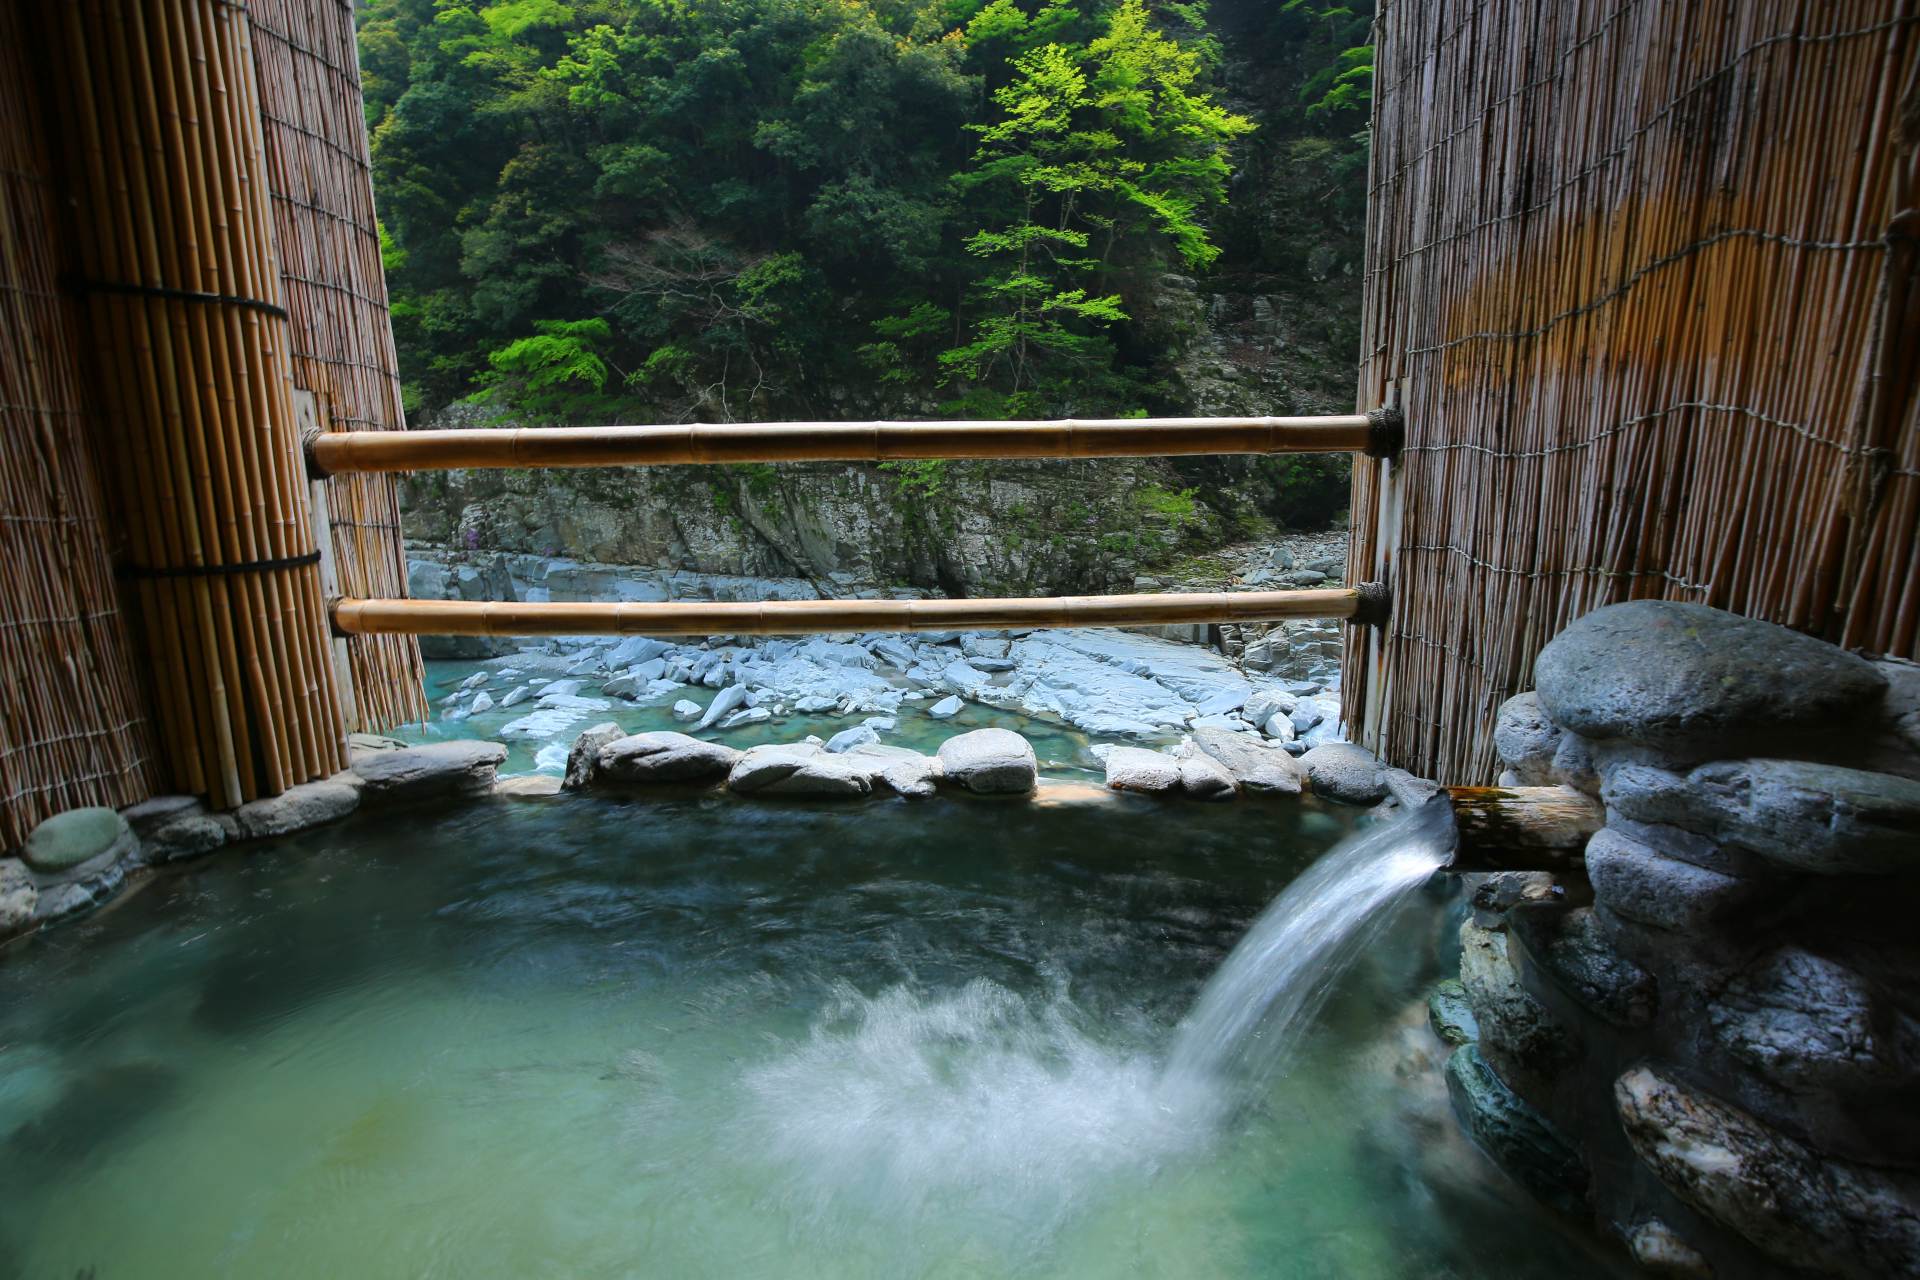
x=329, y=247
x=73, y=726
x=1639, y=274
x=103, y=109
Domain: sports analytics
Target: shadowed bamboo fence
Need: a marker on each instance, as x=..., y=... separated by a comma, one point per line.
x=1640, y=276
x=185, y=308
x=73, y=727
x=336, y=295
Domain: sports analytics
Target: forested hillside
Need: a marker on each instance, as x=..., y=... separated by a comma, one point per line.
x=726, y=210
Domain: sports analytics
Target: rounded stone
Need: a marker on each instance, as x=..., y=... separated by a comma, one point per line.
x=1343, y=771
x=69, y=839
x=1690, y=678
x=990, y=762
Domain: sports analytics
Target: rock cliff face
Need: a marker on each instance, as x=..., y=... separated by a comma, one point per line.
x=1709, y=1043
x=961, y=528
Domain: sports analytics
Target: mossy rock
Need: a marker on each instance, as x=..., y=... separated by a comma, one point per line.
x=66, y=840
x=1449, y=1014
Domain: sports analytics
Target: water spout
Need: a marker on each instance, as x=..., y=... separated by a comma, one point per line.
x=1252, y=1012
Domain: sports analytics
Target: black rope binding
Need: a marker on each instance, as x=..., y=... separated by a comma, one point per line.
x=142, y=572
x=1387, y=431
x=1375, y=605
x=83, y=287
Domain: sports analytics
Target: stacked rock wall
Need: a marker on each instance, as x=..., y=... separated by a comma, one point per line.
x=1709, y=1045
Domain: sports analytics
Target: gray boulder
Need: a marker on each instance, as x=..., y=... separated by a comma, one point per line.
x=644, y=758
x=173, y=828
x=1644, y=885
x=1571, y=951
x=1202, y=777
x=798, y=769
x=686, y=710
x=905, y=773
x=1138, y=769
x=1805, y=1022
x=1252, y=763
x=584, y=756
x=308, y=805
x=1697, y=680
x=947, y=708
x=990, y=762
x=1799, y=1208
x=1343, y=771
x=1810, y=817
x=433, y=770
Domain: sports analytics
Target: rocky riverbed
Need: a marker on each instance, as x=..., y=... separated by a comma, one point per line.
x=1073, y=693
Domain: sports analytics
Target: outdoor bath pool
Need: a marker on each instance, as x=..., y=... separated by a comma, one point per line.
x=701, y=1037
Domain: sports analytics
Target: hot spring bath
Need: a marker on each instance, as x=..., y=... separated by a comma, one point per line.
x=699, y=1037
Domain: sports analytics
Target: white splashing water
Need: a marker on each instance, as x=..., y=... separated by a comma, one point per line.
x=908, y=1108
x=1000, y=1117
x=1253, y=1011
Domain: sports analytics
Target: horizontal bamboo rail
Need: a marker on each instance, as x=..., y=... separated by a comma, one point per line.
x=795, y=617
x=341, y=452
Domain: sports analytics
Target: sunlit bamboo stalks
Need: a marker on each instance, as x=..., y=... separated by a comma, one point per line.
x=164, y=141
x=1630, y=272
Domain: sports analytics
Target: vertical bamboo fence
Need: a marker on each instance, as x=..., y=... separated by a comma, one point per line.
x=73, y=729
x=185, y=306
x=336, y=291
x=1641, y=276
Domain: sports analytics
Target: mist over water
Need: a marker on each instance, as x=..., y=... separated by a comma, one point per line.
x=689, y=1039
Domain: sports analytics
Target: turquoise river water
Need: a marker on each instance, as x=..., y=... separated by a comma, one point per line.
x=699, y=1037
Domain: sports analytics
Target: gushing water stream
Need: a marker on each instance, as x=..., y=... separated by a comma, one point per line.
x=1253, y=1011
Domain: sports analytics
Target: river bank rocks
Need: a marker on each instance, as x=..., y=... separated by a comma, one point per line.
x=1717, y=1017
x=82, y=858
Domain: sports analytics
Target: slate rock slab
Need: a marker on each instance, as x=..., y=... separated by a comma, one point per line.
x=1252, y=763
x=643, y=758
x=1797, y=1207
x=1697, y=680
x=461, y=767
x=1518, y=1137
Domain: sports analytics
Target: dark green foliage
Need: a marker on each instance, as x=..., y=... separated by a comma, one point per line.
x=601, y=210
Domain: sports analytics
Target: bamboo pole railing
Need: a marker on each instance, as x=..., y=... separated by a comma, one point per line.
x=185, y=301
x=345, y=452
x=798, y=617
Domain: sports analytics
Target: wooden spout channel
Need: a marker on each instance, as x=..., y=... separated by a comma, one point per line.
x=1521, y=828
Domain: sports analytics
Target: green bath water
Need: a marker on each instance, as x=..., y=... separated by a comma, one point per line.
x=711, y=1038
